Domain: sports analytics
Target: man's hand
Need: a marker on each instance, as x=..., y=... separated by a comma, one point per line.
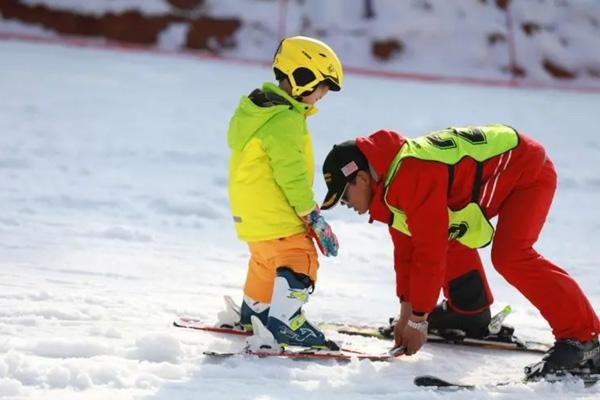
x=412, y=336
x=320, y=230
x=405, y=313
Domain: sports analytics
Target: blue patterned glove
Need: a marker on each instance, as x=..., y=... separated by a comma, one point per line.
x=320, y=230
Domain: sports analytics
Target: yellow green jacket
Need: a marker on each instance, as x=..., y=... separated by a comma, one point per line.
x=271, y=168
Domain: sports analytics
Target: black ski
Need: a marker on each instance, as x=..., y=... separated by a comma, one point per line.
x=430, y=381
x=439, y=383
x=504, y=340
x=498, y=337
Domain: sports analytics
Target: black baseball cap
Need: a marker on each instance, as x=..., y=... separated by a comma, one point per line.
x=340, y=166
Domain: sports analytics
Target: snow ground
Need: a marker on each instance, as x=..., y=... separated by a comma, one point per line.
x=115, y=219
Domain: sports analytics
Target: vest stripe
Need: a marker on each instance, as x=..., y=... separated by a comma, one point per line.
x=496, y=179
x=485, y=187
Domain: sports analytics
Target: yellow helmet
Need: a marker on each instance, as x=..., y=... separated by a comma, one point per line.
x=306, y=62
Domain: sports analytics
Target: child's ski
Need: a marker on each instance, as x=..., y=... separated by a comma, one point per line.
x=512, y=343
x=307, y=354
x=200, y=325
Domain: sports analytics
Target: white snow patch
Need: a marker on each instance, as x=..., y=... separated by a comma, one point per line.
x=65, y=348
x=10, y=387
x=173, y=37
x=165, y=370
x=58, y=377
x=121, y=233
x=82, y=381
x=157, y=347
x=100, y=7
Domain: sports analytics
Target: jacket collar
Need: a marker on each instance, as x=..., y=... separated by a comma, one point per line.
x=302, y=108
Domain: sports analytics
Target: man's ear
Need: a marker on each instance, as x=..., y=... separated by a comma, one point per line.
x=364, y=177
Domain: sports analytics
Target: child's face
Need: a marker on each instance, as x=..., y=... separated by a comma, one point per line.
x=358, y=195
x=317, y=95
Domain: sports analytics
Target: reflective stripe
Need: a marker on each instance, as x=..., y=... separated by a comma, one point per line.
x=489, y=180
x=496, y=179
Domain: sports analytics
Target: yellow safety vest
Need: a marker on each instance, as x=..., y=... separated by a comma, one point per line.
x=449, y=146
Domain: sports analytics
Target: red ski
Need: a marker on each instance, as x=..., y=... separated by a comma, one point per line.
x=193, y=323
x=344, y=354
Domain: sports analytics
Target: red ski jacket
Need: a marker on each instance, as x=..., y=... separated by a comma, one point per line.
x=425, y=190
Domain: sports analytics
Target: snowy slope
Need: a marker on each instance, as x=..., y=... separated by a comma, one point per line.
x=458, y=38
x=114, y=219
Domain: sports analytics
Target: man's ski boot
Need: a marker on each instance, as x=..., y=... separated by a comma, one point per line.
x=286, y=320
x=454, y=326
x=567, y=356
x=444, y=321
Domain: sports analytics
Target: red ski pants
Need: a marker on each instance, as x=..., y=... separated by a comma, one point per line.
x=521, y=216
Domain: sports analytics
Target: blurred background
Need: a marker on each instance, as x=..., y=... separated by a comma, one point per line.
x=499, y=42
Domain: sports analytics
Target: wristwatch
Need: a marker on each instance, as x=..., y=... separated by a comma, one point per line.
x=420, y=326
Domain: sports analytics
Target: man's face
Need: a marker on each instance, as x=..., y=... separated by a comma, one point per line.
x=358, y=194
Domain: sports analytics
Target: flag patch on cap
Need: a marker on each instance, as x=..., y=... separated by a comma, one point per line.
x=349, y=168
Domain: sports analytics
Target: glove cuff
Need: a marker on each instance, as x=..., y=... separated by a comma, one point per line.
x=304, y=214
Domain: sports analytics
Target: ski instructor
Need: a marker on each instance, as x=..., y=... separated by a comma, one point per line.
x=437, y=193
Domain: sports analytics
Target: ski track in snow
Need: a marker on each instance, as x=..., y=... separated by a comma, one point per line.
x=113, y=175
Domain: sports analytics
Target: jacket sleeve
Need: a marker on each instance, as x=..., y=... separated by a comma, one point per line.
x=284, y=144
x=421, y=188
x=403, y=250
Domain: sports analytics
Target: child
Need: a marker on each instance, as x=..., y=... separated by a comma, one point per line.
x=270, y=191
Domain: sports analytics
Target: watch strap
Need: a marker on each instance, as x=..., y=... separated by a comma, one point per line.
x=420, y=326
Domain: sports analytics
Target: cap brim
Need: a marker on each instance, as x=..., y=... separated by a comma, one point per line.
x=332, y=197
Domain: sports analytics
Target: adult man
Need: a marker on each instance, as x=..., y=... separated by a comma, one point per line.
x=437, y=193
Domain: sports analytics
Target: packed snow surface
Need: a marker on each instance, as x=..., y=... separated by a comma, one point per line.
x=114, y=220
